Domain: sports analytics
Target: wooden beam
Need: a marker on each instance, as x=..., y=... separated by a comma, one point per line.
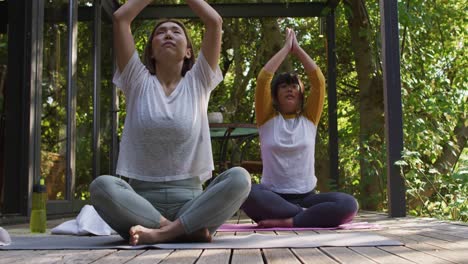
x=393, y=110
x=238, y=10
x=86, y=13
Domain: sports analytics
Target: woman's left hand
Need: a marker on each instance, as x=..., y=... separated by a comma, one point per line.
x=295, y=45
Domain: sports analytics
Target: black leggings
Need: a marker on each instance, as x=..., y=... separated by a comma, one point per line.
x=307, y=210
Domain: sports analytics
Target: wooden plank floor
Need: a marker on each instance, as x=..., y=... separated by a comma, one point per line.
x=426, y=241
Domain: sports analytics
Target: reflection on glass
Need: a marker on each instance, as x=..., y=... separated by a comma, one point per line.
x=54, y=102
x=84, y=111
x=106, y=98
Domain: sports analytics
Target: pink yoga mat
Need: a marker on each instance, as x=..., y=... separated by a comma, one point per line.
x=255, y=227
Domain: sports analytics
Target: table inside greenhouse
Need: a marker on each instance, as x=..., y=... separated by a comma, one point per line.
x=224, y=132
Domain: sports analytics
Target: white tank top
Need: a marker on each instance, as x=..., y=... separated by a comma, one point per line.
x=288, y=149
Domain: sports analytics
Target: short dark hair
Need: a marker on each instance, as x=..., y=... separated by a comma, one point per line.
x=287, y=78
x=148, y=61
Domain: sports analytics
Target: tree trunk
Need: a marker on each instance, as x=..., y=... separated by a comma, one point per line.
x=371, y=110
x=453, y=149
x=271, y=41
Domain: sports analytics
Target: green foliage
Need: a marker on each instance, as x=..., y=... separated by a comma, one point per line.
x=431, y=193
x=54, y=105
x=434, y=96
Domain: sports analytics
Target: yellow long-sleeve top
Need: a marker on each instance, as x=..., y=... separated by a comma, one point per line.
x=287, y=142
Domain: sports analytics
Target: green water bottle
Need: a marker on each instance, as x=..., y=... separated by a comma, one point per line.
x=38, y=220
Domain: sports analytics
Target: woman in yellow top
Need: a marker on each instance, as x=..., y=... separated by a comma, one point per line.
x=287, y=129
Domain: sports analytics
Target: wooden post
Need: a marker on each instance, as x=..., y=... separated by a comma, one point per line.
x=393, y=112
x=332, y=100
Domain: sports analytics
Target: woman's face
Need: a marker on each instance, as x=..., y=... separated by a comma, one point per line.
x=169, y=42
x=289, y=98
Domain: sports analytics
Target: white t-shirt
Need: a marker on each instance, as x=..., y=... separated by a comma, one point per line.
x=166, y=138
x=288, y=147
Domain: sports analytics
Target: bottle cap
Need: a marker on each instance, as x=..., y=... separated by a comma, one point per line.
x=40, y=188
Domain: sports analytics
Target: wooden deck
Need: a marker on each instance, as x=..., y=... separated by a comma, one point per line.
x=426, y=241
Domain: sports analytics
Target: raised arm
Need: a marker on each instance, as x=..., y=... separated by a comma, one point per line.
x=314, y=104
x=124, y=43
x=273, y=64
x=263, y=102
x=211, y=43
x=304, y=58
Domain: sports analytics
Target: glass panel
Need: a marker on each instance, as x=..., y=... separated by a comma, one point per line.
x=3, y=75
x=54, y=102
x=106, y=98
x=84, y=110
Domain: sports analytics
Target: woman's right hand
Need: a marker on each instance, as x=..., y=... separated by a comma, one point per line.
x=273, y=64
x=211, y=43
x=124, y=43
x=295, y=45
x=288, y=43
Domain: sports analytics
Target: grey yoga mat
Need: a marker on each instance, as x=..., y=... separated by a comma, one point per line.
x=249, y=241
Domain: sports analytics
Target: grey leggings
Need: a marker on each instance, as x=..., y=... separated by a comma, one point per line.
x=123, y=205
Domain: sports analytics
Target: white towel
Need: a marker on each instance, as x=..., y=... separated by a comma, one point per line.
x=5, y=238
x=88, y=222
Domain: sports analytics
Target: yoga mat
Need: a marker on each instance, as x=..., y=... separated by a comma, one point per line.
x=255, y=227
x=236, y=242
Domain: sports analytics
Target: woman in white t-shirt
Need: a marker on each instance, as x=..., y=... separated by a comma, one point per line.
x=165, y=149
x=287, y=128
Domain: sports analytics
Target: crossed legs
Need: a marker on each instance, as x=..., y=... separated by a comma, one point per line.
x=136, y=219
x=270, y=209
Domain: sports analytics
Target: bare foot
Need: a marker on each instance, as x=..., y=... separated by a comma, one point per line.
x=167, y=232
x=142, y=235
x=201, y=235
x=288, y=222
